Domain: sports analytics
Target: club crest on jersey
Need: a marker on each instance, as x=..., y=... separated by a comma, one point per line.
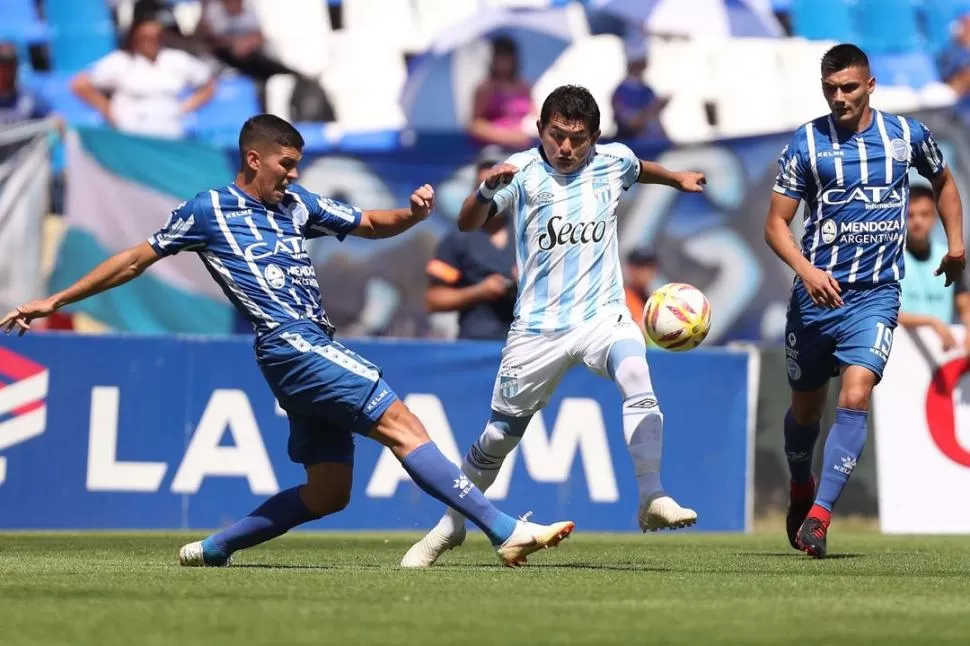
x=274, y=276
x=601, y=189
x=829, y=231
x=900, y=150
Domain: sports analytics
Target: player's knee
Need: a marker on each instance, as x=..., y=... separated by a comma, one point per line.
x=323, y=501
x=807, y=407
x=400, y=430
x=855, y=396
x=502, y=434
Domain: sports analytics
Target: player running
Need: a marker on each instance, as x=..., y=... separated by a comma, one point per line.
x=851, y=169
x=250, y=235
x=562, y=198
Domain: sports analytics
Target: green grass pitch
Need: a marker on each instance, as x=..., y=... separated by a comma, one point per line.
x=343, y=589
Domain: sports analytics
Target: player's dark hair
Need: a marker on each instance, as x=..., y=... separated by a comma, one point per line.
x=571, y=103
x=843, y=56
x=265, y=129
x=919, y=191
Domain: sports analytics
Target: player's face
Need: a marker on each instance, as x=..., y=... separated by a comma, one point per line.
x=847, y=93
x=566, y=143
x=922, y=217
x=275, y=170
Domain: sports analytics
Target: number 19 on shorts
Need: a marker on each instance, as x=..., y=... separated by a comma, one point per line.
x=884, y=340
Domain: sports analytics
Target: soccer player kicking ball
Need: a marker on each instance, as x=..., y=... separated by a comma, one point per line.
x=571, y=308
x=851, y=169
x=250, y=235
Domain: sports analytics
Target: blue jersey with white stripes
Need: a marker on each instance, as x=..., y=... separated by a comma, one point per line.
x=256, y=252
x=565, y=236
x=856, y=191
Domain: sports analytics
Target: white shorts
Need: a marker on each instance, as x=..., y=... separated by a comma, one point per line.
x=533, y=363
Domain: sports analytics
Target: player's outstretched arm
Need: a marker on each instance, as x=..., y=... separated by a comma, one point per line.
x=687, y=181
x=116, y=270
x=391, y=222
x=480, y=205
x=823, y=288
x=951, y=214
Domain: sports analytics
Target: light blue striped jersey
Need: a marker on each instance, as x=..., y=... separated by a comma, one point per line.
x=856, y=192
x=565, y=236
x=256, y=252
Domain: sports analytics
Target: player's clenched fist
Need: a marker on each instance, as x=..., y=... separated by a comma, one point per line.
x=497, y=177
x=822, y=288
x=422, y=201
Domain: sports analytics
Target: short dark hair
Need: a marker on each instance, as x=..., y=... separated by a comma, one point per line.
x=265, y=129
x=505, y=45
x=572, y=103
x=919, y=191
x=843, y=56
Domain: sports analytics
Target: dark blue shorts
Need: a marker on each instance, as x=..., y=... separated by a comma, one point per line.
x=818, y=341
x=328, y=392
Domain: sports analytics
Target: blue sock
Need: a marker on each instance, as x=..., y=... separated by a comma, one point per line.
x=437, y=476
x=799, y=448
x=276, y=516
x=842, y=449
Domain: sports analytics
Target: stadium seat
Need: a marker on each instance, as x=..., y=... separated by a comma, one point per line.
x=887, y=26
x=297, y=33
x=895, y=98
x=683, y=71
x=435, y=16
x=364, y=80
x=187, y=15
x=823, y=20
x=747, y=73
x=279, y=93
x=914, y=69
x=388, y=21
x=596, y=62
x=236, y=99
x=937, y=18
x=21, y=23
x=800, y=78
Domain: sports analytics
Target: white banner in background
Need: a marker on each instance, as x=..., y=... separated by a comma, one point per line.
x=25, y=175
x=922, y=422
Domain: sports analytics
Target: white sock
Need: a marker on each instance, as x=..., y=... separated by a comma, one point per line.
x=482, y=464
x=643, y=423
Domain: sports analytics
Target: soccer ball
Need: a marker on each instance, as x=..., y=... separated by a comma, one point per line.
x=677, y=317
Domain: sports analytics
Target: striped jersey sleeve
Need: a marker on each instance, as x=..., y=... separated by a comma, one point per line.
x=326, y=216
x=926, y=155
x=185, y=230
x=792, y=178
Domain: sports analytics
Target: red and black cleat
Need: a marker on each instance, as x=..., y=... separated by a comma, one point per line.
x=811, y=537
x=800, y=499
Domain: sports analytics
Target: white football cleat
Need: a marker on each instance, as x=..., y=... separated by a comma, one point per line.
x=435, y=543
x=191, y=555
x=660, y=511
x=531, y=537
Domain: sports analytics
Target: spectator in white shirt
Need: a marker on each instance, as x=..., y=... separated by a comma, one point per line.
x=138, y=89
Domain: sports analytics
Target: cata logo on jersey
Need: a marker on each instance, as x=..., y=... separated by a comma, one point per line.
x=873, y=197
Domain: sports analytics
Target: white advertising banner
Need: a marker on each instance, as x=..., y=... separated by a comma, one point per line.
x=922, y=422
